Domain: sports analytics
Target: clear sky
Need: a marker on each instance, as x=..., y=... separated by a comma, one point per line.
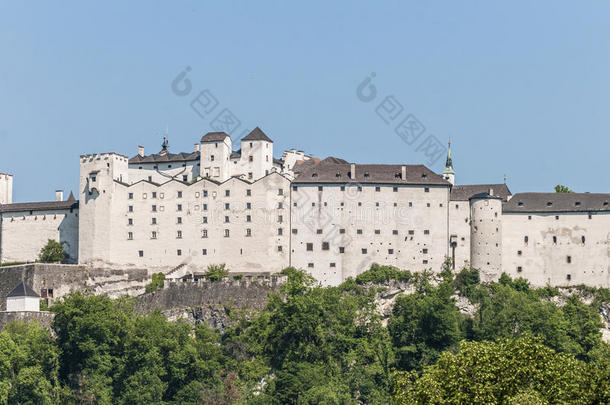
x=520, y=88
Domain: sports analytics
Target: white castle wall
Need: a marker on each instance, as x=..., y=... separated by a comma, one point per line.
x=544, y=261
x=25, y=233
x=6, y=188
x=459, y=232
x=17, y=304
x=163, y=172
x=406, y=228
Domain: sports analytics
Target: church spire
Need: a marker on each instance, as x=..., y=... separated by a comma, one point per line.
x=449, y=172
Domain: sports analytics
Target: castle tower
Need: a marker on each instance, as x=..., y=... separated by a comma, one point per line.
x=257, y=148
x=6, y=188
x=486, y=234
x=448, y=173
x=215, y=152
x=100, y=205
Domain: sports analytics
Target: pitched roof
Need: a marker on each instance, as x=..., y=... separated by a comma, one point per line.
x=23, y=290
x=328, y=172
x=214, y=137
x=71, y=203
x=257, y=134
x=463, y=193
x=557, y=202
x=165, y=158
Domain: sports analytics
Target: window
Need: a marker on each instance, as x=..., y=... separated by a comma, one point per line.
x=363, y=251
x=227, y=193
x=227, y=206
x=410, y=204
x=426, y=232
x=390, y=251
x=153, y=221
x=529, y=217
x=309, y=247
x=204, y=252
x=130, y=235
x=294, y=188
x=205, y=220
x=555, y=240
x=424, y=251
x=227, y=219
x=179, y=207
x=141, y=253
x=248, y=193
x=130, y=208
x=130, y=196
x=280, y=205
x=377, y=231
x=377, y=188
x=279, y=248
x=569, y=259
x=411, y=232
x=280, y=191
x=310, y=265
x=333, y=265
x=425, y=261
x=519, y=252
x=325, y=246
x=179, y=220
x=280, y=231
x=248, y=218
x=226, y=233
x=569, y=277
x=319, y=232
x=153, y=235
x=359, y=231
x=154, y=208
x=212, y=156
x=179, y=252
x=582, y=239
x=519, y=269
x=294, y=231
x=204, y=233
x=395, y=189
x=341, y=249
x=248, y=206
x=526, y=239
x=359, y=188
x=395, y=232
x=130, y=221
x=426, y=189
x=556, y=216
x=248, y=232
x=280, y=219
x=179, y=235
x=179, y=194
x=342, y=230
x=205, y=207
x=150, y=178
x=428, y=205
x=250, y=158
x=205, y=193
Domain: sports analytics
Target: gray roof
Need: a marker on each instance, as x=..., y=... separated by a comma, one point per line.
x=23, y=290
x=165, y=158
x=214, y=137
x=557, y=202
x=257, y=134
x=463, y=193
x=327, y=172
x=71, y=203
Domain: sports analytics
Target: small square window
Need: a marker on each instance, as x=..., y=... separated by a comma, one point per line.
x=227, y=193
x=204, y=233
x=377, y=231
x=426, y=189
x=179, y=252
x=359, y=231
x=333, y=265
x=426, y=232
x=390, y=251
x=395, y=232
x=248, y=192
x=227, y=219
x=424, y=251
x=140, y=253
x=248, y=232
x=363, y=251
x=179, y=194
x=377, y=188
x=395, y=189
x=205, y=193
x=310, y=265
x=280, y=231
x=342, y=230
x=279, y=248
x=204, y=252
x=341, y=249
x=130, y=196
x=227, y=233
x=325, y=246
x=280, y=191
x=519, y=269
x=319, y=231
x=205, y=220
x=309, y=247
x=179, y=207
x=294, y=231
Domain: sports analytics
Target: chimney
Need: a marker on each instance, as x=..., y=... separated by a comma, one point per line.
x=141, y=150
x=352, y=171
x=196, y=147
x=59, y=195
x=403, y=173
x=491, y=192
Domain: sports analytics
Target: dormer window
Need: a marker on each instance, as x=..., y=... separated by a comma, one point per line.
x=397, y=175
x=520, y=203
x=424, y=175
x=366, y=174
x=577, y=203
x=338, y=174
x=314, y=175
x=548, y=204
x=605, y=203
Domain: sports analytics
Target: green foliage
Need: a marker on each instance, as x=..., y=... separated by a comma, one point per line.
x=216, y=272
x=379, y=274
x=157, y=283
x=4, y=264
x=466, y=281
x=52, y=252
x=562, y=189
x=423, y=325
x=519, y=370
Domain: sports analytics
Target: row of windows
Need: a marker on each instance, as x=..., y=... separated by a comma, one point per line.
x=204, y=233
x=280, y=191
x=204, y=207
x=360, y=231
x=326, y=246
x=377, y=204
x=377, y=188
x=204, y=251
x=526, y=239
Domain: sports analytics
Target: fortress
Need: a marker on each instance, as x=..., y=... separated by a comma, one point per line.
x=179, y=213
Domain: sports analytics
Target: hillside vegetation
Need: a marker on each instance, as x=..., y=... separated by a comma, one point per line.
x=315, y=345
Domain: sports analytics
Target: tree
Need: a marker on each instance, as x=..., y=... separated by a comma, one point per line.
x=216, y=272
x=510, y=371
x=157, y=282
x=52, y=252
x=562, y=189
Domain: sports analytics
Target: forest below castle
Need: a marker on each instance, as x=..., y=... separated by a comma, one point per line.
x=323, y=345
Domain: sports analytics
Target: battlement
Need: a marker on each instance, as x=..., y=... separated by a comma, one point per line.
x=103, y=156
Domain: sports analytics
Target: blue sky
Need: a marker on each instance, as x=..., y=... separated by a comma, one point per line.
x=520, y=88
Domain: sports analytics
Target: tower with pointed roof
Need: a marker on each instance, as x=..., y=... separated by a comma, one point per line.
x=257, y=153
x=448, y=172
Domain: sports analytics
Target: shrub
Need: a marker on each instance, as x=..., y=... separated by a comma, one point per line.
x=216, y=272
x=466, y=280
x=158, y=281
x=379, y=274
x=52, y=252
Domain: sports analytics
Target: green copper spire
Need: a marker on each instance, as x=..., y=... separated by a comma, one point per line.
x=449, y=164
